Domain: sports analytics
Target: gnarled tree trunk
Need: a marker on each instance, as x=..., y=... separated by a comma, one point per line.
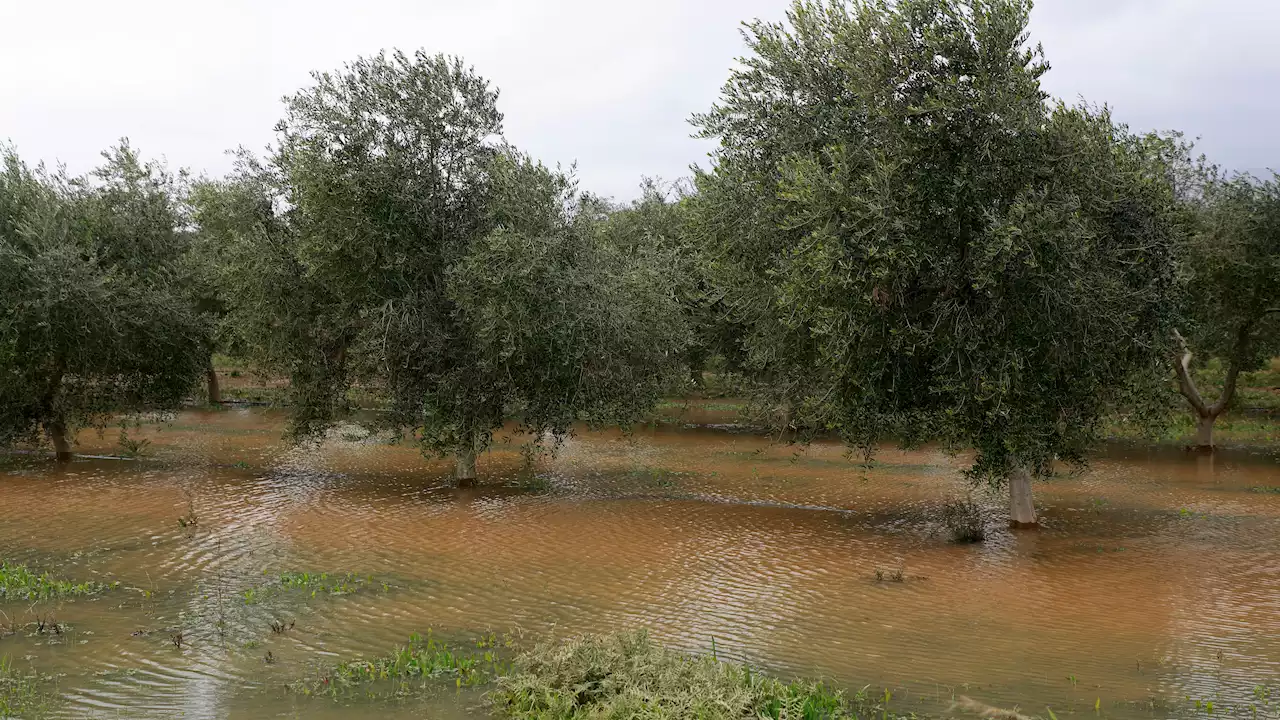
x=215, y=390
x=1204, y=431
x=1205, y=413
x=57, y=430
x=465, y=470
x=1022, y=508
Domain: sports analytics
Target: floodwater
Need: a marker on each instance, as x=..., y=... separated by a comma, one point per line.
x=1155, y=582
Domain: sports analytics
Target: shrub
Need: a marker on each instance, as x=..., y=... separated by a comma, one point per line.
x=627, y=675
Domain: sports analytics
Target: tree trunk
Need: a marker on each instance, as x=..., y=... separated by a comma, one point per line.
x=58, y=436
x=215, y=391
x=466, y=465
x=1204, y=431
x=1022, y=509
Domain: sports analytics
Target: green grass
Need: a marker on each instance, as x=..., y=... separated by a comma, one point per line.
x=626, y=675
x=18, y=582
x=415, y=666
x=335, y=584
x=22, y=694
x=1266, y=489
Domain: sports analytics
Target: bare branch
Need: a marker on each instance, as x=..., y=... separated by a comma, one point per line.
x=1186, y=385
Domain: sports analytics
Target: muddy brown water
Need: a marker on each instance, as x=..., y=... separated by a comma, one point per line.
x=1154, y=583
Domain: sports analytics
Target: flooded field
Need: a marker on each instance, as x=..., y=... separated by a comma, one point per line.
x=1154, y=584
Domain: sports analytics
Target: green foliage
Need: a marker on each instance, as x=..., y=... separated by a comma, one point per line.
x=94, y=317
x=922, y=247
x=313, y=584
x=18, y=582
x=1234, y=269
x=659, y=221
x=423, y=659
x=22, y=694
x=1231, y=307
x=392, y=240
x=627, y=675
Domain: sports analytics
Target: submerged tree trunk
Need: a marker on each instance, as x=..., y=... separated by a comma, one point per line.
x=215, y=390
x=466, y=465
x=1204, y=431
x=57, y=430
x=1022, y=509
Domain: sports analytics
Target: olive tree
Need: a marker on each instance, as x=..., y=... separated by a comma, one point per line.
x=1232, y=303
x=658, y=221
x=924, y=248
x=392, y=239
x=94, y=318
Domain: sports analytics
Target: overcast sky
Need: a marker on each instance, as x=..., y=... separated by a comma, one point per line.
x=607, y=83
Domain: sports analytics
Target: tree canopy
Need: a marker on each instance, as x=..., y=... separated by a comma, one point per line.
x=95, y=320
x=1231, y=308
x=393, y=239
x=923, y=247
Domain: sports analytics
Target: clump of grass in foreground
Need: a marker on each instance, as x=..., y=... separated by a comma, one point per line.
x=18, y=582
x=1266, y=489
x=627, y=675
x=423, y=659
x=22, y=694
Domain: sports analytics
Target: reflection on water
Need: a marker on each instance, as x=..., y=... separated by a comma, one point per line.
x=1156, y=576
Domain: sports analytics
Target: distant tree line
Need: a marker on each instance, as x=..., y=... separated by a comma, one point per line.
x=899, y=238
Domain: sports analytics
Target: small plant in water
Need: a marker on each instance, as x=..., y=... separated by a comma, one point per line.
x=898, y=575
x=423, y=658
x=132, y=448
x=190, y=519
x=18, y=582
x=22, y=694
x=314, y=584
x=963, y=521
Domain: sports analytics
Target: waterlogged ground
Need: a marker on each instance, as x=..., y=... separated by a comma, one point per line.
x=1154, y=584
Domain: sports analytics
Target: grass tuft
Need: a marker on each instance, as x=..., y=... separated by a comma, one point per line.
x=422, y=659
x=626, y=675
x=22, y=694
x=18, y=582
x=314, y=584
x=963, y=521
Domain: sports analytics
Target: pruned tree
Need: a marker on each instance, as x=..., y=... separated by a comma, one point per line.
x=94, y=322
x=1232, y=303
x=393, y=239
x=923, y=248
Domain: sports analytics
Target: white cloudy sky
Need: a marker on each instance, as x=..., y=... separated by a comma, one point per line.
x=607, y=83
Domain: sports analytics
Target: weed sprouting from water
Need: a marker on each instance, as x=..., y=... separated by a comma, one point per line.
x=132, y=448
x=963, y=521
x=18, y=582
x=626, y=675
x=22, y=694
x=424, y=658
x=1266, y=489
x=313, y=584
x=897, y=575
